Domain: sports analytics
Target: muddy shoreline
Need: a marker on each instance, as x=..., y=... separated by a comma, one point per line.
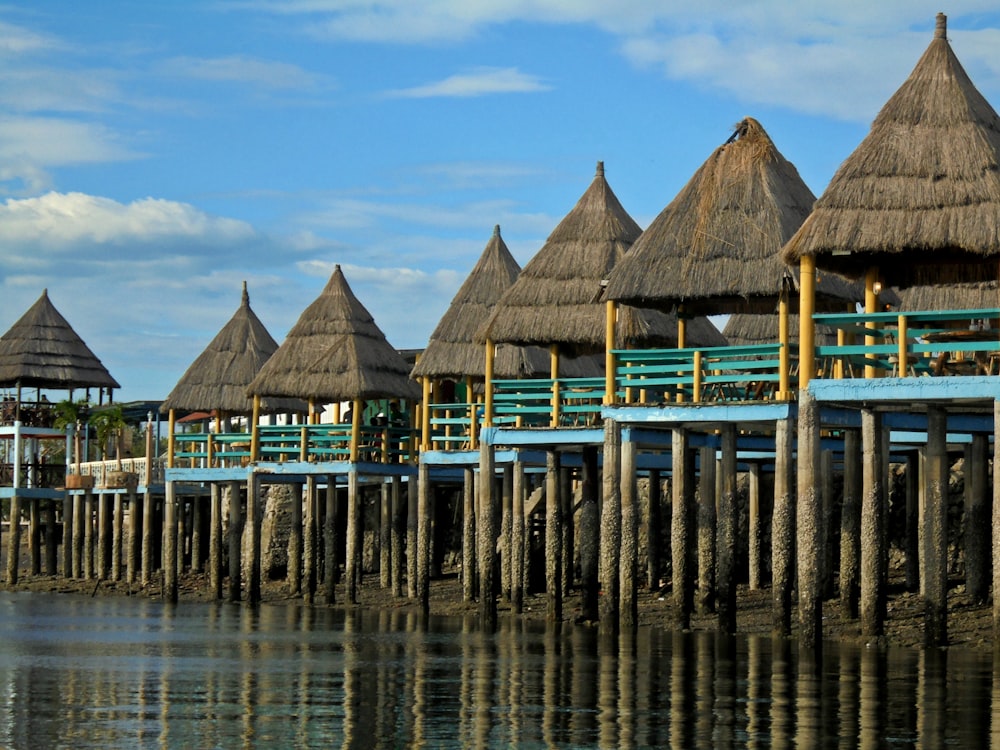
x=970, y=625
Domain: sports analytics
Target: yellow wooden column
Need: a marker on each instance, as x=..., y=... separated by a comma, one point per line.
x=488, y=403
x=611, y=318
x=171, y=424
x=255, y=430
x=554, y=374
x=681, y=343
x=807, y=333
x=871, y=306
x=784, y=338
x=355, y=429
x=425, y=413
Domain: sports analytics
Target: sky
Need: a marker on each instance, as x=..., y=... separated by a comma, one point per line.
x=156, y=154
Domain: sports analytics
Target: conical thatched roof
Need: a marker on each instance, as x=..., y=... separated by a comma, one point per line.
x=218, y=378
x=746, y=329
x=335, y=352
x=453, y=352
x=715, y=248
x=41, y=350
x=557, y=297
x=920, y=197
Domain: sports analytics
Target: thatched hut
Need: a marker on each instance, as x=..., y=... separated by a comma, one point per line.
x=41, y=350
x=335, y=352
x=452, y=352
x=747, y=329
x=217, y=380
x=556, y=299
x=971, y=296
x=715, y=248
x=917, y=203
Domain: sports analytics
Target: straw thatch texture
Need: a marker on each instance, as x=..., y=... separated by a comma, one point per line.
x=920, y=196
x=42, y=350
x=556, y=298
x=715, y=247
x=217, y=380
x=745, y=329
x=949, y=297
x=335, y=352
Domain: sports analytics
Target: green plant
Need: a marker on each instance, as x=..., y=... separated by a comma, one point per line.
x=69, y=412
x=108, y=424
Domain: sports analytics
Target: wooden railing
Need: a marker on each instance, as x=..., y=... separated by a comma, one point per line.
x=100, y=469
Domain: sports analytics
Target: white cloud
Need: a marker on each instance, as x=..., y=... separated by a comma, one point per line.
x=245, y=69
x=477, y=82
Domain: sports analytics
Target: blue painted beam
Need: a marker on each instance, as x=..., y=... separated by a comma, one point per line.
x=907, y=390
x=766, y=411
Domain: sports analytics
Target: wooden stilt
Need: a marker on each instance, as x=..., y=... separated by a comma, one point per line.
x=88, y=534
x=235, y=540
x=385, y=535
x=215, y=540
x=132, y=543
x=517, y=540
x=850, y=524
x=14, y=541
x=294, y=571
x=79, y=531
x=995, y=537
x=49, y=526
x=977, y=521
x=419, y=539
x=628, y=561
x=809, y=523
x=707, y=531
x=611, y=509
x=469, y=588
x=682, y=527
x=506, y=530
x=398, y=537
x=117, y=526
x=654, y=535
x=148, y=515
x=874, y=555
x=935, y=523
x=728, y=518
x=103, y=535
x=195, y=534
x=783, y=528
x=310, y=538
x=254, y=517
x=754, y=530
x=487, y=537
x=35, y=536
x=352, y=569
x=170, y=544
x=553, y=538
x=330, y=541
x=67, y=535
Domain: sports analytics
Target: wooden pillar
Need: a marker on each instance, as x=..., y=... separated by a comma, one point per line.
x=14, y=540
x=754, y=530
x=352, y=569
x=517, y=538
x=728, y=519
x=133, y=546
x=34, y=537
x=103, y=535
x=419, y=533
x=310, y=538
x=49, y=524
x=180, y=535
x=170, y=544
x=914, y=495
x=871, y=306
x=469, y=534
x=553, y=538
x=414, y=508
x=330, y=541
x=784, y=355
x=682, y=526
x=807, y=306
x=828, y=534
x=809, y=523
x=610, y=364
x=148, y=514
x=254, y=517
x=236, y=524
x=707, y=525
x=78, y=533
x=995, y=537
x=197, y=555
x=850, y=525
x=628, y=562
x=610, y=546
x=385, y=536
x=67, y=535
x=977, y=521
x=215, y=540
x=398, y=537
x=654, y=532
x=935, y=523
x=294, y=550
x=487, y=537
x=117, y=524
x=783, y=528
x=488, y=389
x=506, y=531
x=874, y=555
x=88, y=533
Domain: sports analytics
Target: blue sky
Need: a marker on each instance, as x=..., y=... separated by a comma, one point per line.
x=154, y=154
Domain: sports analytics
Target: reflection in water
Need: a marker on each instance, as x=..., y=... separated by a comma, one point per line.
x=87, y=672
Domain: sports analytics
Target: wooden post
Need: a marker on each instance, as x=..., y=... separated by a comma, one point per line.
x=682, y=526
x=488, y=391
x=255, y=430
x=398, y=537
x=554, y=374
x=67, y=536
x=995, y=536
x=977, y=520
x=507, y=530
x=236, y=524
x=419, y=525
x=681, y=343
x=628, y=561
x=728, y=519
x=88, y=533
x=809, y=523
x=807, y=331
x=755, y=575
x=352, y=567
x=783, y=528
x=14, y=538
x=784, y=354
x=330, y=541
x=425, y=414
x=874, y=555
x=170, y=543
x=871, y=306
x=469, y=534
x=707, y=526
x=171, y=423
x=215, y=540
x=517, y=538
x=487, y=537
x=34, y=536
x=294, y=550
x=935, y=523
x=553, y=538
x=850, y=525
x=610, y=364
x=116, y=536
x=385, y=536
x=78, y=534
x=132, y=531
x=611, y=521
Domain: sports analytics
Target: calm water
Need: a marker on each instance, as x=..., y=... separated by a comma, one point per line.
x=77, y=672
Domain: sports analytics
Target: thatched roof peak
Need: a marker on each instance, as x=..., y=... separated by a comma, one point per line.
x=335, y=352
x=715, y=247
x=42, y=350
x=941, y=26
x=919, y=198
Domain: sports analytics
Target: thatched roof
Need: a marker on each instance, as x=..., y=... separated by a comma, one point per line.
x=41, y=350
x=218, y=378
x=557, y=296
x=335, y=352
x=746, y=329
x=715, y=248
x=920, y=196
x=970, y=296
